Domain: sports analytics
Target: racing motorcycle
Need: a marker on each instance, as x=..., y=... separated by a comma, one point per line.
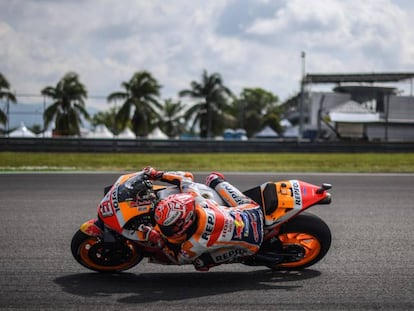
x=293, y=239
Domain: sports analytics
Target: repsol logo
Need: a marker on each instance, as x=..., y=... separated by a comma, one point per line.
x=236, y=196
x=296, y=193
x=208, y=230
x=229, y=255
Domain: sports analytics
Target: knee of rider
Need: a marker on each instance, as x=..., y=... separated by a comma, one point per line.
x=177, y=177
x=189, y=175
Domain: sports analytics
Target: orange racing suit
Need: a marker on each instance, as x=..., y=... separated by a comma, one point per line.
x=221, y=234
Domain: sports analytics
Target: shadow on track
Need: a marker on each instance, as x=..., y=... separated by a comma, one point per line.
x=150, y=287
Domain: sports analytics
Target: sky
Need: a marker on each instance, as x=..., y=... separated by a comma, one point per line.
x=250, y=43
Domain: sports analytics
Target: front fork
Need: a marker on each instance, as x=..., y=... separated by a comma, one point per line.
x=96, y=228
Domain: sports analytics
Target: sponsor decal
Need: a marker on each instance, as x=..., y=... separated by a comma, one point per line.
x=296, y=193
x=246, y=224
x=208, y=230
x=233, y=193
x=239, y=225
x=297, y=199
x=227, y=256
x=90, y=228
x=114, y=199
x=253, y=222
x=228, y=227
x=106, y=209
x=143, y=202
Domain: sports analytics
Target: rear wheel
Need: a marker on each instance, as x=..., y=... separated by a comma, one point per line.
x=304, y=241
x=92, y=253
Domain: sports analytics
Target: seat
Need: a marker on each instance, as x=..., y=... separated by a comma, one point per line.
x=266, y=198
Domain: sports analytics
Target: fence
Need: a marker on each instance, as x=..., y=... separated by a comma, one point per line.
x=193, y=146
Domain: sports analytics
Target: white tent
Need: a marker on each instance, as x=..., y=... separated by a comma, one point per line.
x=157, y=134
x=127, y=134
x=22, y=131
x=46, y=134
x=101, y=131
x=267, y=132
x=291, y=131
x=285, y=123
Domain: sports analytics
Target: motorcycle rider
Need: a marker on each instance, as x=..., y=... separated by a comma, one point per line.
x=193, y=229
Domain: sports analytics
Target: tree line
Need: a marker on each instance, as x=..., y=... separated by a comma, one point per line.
x=214, y=107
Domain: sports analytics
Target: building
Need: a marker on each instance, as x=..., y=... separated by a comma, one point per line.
x=356, y=108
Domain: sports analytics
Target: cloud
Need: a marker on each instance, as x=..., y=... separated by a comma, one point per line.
x=352, y=35
x=251, y=43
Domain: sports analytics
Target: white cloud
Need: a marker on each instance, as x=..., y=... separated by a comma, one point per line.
x=352, y=35
x=251, y=43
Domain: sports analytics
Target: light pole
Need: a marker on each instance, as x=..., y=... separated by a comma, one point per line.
x=302, y=94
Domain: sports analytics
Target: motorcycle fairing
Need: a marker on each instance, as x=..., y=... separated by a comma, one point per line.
x=91, y=228
x=284, y=199
x=118, y=207
x=136, y=235
x=289, y=202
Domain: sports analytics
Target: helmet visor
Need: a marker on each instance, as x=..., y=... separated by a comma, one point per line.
x=174, y=229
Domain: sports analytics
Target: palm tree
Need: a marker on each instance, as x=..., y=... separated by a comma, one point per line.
x=5, y=94
x=140, y=98
x=172, y=118
x=210, y=109
x=68, y=96
x=256, y=108
x=108, y=118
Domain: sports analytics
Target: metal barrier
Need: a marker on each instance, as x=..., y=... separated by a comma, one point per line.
x=193, y=146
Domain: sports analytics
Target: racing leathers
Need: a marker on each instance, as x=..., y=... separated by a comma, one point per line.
x=220, y=234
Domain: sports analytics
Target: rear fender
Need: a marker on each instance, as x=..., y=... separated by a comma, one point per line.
x=92, y=228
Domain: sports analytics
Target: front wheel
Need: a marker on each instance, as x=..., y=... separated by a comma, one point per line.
x=304, y=241
x=92, y=253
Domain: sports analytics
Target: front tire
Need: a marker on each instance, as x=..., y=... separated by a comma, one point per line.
x=92, y=253
x=307, y=235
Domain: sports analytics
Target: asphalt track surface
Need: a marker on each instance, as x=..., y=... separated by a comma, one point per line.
x=370, y=264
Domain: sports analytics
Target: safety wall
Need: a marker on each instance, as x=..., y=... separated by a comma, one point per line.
x=181, y=146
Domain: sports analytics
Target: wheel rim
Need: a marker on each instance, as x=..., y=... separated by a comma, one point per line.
x=309, y=243
x=91, y=252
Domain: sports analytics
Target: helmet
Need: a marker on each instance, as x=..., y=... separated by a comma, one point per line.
x=175, y=214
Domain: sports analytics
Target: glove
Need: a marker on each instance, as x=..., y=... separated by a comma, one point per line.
x=152, y=174
x=152, y=236
x=214, y=178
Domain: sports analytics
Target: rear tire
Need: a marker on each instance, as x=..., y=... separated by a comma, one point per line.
x=307, y=234
x=93, y=254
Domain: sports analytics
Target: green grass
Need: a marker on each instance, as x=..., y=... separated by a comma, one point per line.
x=255, y=162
